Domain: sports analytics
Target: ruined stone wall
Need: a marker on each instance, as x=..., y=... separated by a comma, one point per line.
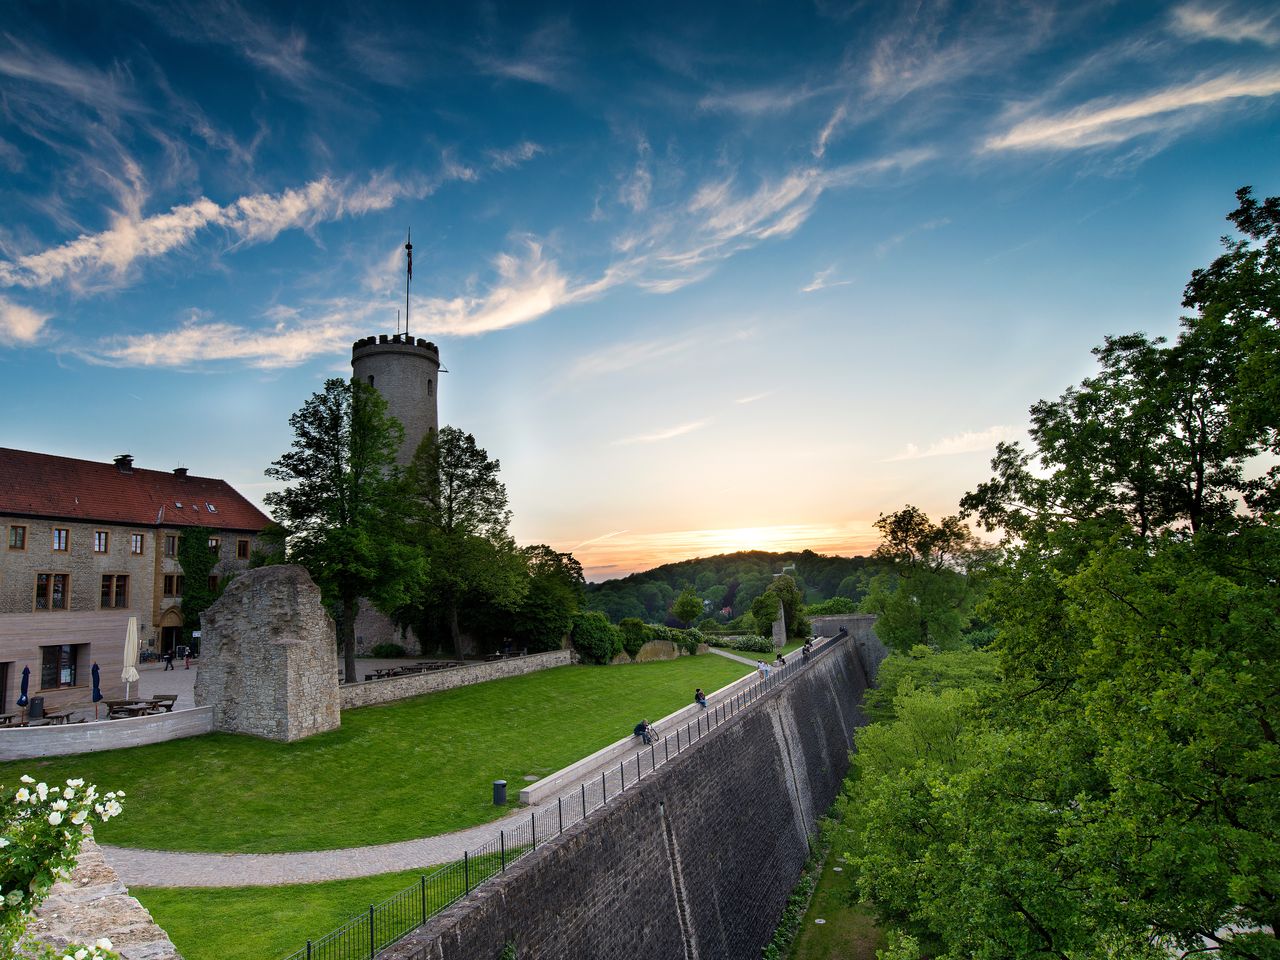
x=371, y=692
x=695, y=862
x=268, y=665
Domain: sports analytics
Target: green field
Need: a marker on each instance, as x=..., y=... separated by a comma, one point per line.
x=261, y=923
x=411, y=769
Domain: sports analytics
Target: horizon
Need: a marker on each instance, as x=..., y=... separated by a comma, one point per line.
x=743, y=280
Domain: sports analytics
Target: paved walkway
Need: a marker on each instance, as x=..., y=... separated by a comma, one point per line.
x=166, y=868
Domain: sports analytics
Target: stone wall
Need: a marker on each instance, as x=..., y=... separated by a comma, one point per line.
x=370, y=692
x=59, y=740
x=94, y=903
x=861, y=627
x=695, y=862
x=268, y=664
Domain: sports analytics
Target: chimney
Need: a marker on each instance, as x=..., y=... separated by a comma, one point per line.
x=180, y=472
x=124, y=463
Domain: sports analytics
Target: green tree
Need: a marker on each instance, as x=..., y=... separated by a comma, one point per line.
x=197, y=562
x=346, y=504
x=790, y=593
x=554, y=595
x=688, y=606
x=460, y=524
x=927, y=593
x=764, y=611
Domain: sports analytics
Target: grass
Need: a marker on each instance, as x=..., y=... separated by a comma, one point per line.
x=259, y=923
x=411, y=769
x=849, y=931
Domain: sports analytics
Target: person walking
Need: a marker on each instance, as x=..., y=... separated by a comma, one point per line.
x=168, y=659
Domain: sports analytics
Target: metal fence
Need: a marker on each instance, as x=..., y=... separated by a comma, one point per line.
x=361, y=937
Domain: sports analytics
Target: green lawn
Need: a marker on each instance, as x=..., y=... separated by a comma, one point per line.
x=261, y=923
x=411, y=769
x=848, y=930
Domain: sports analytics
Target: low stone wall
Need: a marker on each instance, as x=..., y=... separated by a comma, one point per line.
x=57, y=740
x=371, y=692
x=93, y=903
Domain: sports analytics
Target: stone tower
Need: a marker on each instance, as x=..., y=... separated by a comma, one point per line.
x=406, y=372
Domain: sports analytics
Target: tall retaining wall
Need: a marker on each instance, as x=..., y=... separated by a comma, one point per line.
x=695, y=862
x=371, y=692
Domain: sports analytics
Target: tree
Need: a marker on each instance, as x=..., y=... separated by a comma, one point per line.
x=926, y=593
x=764, y=611
x=790, y=594
x=688, y=606
x=1115, y=792
x=460, y=523
x=555, y=592
x=346, y=506
x=197, y=561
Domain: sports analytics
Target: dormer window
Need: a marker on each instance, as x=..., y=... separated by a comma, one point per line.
x=210, y=507
x=178, y=504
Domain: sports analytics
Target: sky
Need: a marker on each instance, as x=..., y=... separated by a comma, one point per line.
x=704, y=277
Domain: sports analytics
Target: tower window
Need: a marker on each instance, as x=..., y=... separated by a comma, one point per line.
x=371, y=379
x=430, y=388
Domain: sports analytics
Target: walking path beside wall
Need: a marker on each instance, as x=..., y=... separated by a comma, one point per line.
x=696, y=861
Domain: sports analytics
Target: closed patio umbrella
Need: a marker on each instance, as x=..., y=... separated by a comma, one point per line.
x=26, y=681
x=130, y=672
x=97, y=689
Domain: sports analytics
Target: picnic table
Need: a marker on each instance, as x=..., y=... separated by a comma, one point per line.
x=6, y=719
x=61, y=716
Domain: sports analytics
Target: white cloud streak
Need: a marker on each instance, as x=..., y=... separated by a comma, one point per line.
x=508, y=159
x=661, y=435
x=822, y=280
x=19, y=325
x=1108, y=121
x=968, y=442
x=1222, y=23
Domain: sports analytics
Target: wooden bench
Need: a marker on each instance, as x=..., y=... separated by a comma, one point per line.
x=164, y=702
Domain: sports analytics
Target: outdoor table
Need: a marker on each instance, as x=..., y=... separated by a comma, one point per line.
x=6, y=719
x=60, y=717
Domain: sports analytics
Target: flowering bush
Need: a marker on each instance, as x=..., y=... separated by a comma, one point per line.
x=41, y=830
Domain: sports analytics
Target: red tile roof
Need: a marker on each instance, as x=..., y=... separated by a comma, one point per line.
x=40, y=485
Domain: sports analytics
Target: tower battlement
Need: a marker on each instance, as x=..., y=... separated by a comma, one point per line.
x=393, y=340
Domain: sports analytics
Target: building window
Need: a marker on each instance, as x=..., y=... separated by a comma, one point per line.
x=17, y=538
x=371, y=380
x=173, y=585
x=61, y=538
x=214, y=544
x=52, y=591
x=58, y=665
x=170, y=544
x=101, y=541
x=115, y=590
x=242, y=549
x=213, y=584
x=135, y=544
x=430, y=388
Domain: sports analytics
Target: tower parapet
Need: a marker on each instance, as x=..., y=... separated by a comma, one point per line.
x=406, y=373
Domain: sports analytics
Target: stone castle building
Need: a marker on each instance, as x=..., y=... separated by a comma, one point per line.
x=406, y=372
x=86, y=546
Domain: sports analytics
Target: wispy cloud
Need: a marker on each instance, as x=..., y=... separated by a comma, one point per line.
x=19, y=325
x=761, y=100
x=898, y=238
x=108, y=258
x=1108, y=121
x=968, y=442
x=822, y=280
x=1226, y=23
x=635, y=189
x=660, y=435
x=543, y=57
x=512, y=157
x=754, y=397
x=825, y=135
x=632, y=353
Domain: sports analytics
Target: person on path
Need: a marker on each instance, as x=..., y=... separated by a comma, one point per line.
x=761, y=669
x=168, y=659
x=644, y=731
x=781, y=661
x=700, y=697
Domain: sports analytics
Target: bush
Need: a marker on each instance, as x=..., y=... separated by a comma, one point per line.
x=387, y=650
x=595, y=638
x=690, y=640
x=830, y=608
x=635, y=634
x=752, y=644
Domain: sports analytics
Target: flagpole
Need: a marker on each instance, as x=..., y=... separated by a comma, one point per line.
x=408, y=249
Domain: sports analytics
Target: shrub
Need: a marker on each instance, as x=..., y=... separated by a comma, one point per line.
x=830, y=608
x=595, y=638
x=752, y=644
x=387, y=650
x=690, y=640
x=635, y=634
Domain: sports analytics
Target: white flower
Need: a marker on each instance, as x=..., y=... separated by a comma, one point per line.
x=79, y=817
x=58, y=805
x=81, y=953
x=4, y=841
x=23, y=795
x=78, y=782
x=68, y=793
x=55, y=818
x=25, y=779
x=103, y=943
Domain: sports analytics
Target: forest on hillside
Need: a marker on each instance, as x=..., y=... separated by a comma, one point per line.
x=729, y=583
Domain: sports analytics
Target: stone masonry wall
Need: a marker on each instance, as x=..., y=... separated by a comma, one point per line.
x=268, y=663
x=371, y=692
x=695, y=862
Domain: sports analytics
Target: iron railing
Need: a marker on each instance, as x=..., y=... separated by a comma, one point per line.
x=365, y=934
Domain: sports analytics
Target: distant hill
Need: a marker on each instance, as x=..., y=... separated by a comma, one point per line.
x=728, y=583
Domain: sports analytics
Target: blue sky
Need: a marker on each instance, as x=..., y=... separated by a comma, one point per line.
x=704, y=279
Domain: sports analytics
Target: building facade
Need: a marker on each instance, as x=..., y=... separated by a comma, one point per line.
x=88, y=545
